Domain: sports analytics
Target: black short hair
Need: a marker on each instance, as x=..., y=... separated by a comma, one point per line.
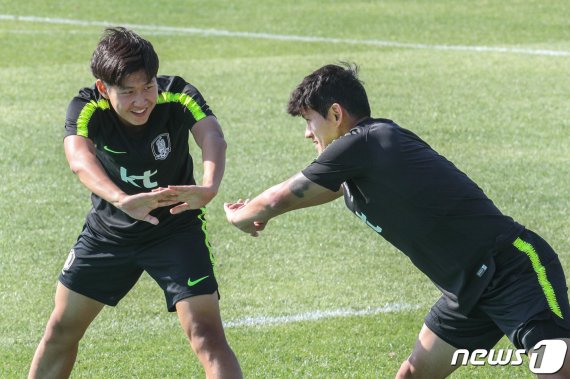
x=327, y=85
x=119, y=53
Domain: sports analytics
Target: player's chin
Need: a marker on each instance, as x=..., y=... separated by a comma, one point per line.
x=138, y=121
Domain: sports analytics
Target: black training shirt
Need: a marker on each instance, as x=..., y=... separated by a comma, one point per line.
x=139, y=159
x=419, y=202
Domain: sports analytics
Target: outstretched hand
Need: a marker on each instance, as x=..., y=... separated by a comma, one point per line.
x=140, y=205
x=253, y=228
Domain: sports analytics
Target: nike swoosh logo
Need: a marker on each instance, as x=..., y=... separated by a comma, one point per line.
x=106, y=148
x=192, y=283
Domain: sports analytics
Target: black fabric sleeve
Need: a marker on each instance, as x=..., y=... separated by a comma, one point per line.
x=81, y=116
x=200, y=108
x=189, y=102
x=344, y=159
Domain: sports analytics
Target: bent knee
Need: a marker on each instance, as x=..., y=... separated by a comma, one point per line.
x=405, y=371
x=412, y=368
x=59, y=331
x=207, y=338
x=409, y=370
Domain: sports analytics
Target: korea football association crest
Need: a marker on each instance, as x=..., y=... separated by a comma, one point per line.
x=161, y=146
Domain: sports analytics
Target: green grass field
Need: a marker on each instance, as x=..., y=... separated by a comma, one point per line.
x=485, y=83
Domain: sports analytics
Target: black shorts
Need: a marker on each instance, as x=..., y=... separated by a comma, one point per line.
x=182, y=264
x=527, y=300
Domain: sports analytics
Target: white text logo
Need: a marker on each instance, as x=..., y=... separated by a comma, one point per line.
x=362, y=216
x=547, y=357
x=145, y=177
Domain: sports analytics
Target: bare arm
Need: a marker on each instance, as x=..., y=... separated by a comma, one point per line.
x=295, y=193
x=82, y=159
x=80, y=154
x=210, y=138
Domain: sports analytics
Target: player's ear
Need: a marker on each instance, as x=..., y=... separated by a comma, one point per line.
x=102, y=88
x=337, y=113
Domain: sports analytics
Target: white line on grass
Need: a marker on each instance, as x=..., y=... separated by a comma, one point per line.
x=289, y=37
x=319, y=315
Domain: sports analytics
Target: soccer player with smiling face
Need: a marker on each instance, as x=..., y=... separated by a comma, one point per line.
x=126, y=138
x=496, y=277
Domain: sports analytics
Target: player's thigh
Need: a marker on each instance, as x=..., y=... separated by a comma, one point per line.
x=72, y=314
x=528, y=298
x=200, y=317
x=476, y=330
x=182, y=264
x=99, y=270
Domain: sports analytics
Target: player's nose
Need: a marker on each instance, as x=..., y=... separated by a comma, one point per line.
x=308, y=132
x=139, y=100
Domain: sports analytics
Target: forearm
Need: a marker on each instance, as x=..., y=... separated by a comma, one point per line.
x=209, y=136
x=295, y=193
x=92, y=175
x=261, y=209
x=214, y=158
x=82, y=159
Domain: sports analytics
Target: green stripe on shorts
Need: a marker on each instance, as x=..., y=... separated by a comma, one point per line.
x=540, y=270
x=207, y=239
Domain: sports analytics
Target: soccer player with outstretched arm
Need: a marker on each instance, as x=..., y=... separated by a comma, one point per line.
x=496, y=276
x=126, y=139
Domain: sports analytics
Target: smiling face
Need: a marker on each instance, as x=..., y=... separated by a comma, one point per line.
x=134, y=99
x=322, y=131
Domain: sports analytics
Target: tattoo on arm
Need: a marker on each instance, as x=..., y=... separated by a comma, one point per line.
x=299, y=186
